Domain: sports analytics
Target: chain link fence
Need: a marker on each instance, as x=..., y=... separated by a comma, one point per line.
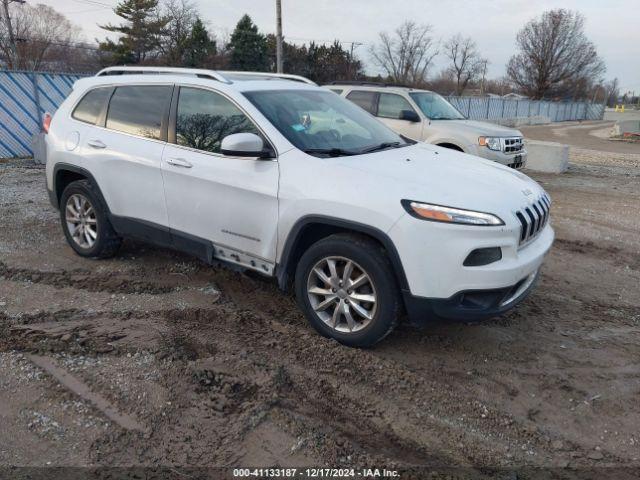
x=491, y=108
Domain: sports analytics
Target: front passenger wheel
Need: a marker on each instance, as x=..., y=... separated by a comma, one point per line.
x=347, y=290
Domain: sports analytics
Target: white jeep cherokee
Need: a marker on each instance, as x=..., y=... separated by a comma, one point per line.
x=426, y=116
x=290, y=180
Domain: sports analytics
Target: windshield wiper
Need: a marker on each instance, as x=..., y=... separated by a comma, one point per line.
x=332, y=152
x=382, y=146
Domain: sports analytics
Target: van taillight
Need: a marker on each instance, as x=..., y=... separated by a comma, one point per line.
x=46, y=122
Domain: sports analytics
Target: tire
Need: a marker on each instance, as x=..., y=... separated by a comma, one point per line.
x=98, y=240
x=327, y=303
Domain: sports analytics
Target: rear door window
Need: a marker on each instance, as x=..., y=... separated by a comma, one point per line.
x=89, y=108
x=364, y=99
x=139, y=110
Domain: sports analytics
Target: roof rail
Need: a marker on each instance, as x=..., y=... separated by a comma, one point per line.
x=368, y=83
x=220, y=76
x=283, y=76
x=130, y=70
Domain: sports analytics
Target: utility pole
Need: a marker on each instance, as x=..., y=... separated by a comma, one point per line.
x=9, y=27
x=484, y=74
x=352, y=73
x=279, y=36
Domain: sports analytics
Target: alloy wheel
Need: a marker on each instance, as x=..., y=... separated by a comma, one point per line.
x=81, y=219
x=342, y=294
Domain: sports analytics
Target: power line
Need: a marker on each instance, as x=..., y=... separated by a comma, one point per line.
x=95, y=2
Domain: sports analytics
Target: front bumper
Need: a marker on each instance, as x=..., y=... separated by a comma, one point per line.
x=469, y=305
x=513, y=160
x=439, y=285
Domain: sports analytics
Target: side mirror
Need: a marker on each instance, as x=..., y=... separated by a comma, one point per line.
x=244, y=145
x=409, y=116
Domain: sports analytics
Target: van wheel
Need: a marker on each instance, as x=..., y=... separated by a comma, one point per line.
x=347, y=289
x=85, y=223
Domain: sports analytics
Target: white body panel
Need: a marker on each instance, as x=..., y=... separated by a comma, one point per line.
x=128, y=171
x=228, y=200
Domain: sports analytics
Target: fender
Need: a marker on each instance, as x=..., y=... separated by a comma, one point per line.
x=292, y=242
x=438, y=141
x=54, y=195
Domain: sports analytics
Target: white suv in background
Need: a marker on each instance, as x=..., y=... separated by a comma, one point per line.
x=426, y=116
x=288, y=179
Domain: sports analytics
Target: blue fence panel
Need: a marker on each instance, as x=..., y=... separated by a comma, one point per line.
x=493, y=108
x=24, y=98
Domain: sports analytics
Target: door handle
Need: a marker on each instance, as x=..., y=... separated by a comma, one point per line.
x=179, y=162
x=96, y=144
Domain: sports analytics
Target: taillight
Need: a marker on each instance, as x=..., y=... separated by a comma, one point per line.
x=46, y=122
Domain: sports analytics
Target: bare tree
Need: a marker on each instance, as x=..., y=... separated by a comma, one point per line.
x=181, y=16
x=612, y=89
x=406, y=54
x=466, y=62
x=554, y=55
x=45, y=39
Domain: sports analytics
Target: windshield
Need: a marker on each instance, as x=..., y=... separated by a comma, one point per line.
x=323, y=124
x=436, y=107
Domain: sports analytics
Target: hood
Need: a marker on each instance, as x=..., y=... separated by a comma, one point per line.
x=431, y=174
x=476, y=128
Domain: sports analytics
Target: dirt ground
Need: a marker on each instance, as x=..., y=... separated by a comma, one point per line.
x=592, y=135
x=156, y=359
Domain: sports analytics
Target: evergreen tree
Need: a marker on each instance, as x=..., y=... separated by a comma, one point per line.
x=199, y=47
x=248, y=47
x=141, y=32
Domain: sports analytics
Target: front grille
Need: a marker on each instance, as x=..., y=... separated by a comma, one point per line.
x=533, y=219
x=512, y=145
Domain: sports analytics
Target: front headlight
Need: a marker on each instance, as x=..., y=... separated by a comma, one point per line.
x=439, y=213
x=492, y=143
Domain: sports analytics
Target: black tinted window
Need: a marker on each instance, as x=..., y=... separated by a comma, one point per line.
x=204, y=118
x=363, y=99
x=138, y=110
x=89, y=108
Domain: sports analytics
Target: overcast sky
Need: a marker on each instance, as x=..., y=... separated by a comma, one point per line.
x=613, y=25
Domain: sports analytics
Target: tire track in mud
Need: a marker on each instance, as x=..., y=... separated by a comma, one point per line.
x=92, y=281
x=616, y=255
x=397, y=405
x=329, y=414
x=382, y=397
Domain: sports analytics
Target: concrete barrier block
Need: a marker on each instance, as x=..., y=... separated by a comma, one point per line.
x=516, y=122
x=39, y=148
x=625, y=126
x=547, y=157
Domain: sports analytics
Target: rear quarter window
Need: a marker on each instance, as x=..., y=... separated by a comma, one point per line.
x=89, y=108
x=139, y=110
x=364, y=99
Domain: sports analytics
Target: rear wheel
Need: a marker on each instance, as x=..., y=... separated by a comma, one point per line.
x=347, y=290
x=85, y=222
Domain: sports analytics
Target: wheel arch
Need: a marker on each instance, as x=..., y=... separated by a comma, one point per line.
x=63, y=175
x=309, y=229
x=450, y=145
